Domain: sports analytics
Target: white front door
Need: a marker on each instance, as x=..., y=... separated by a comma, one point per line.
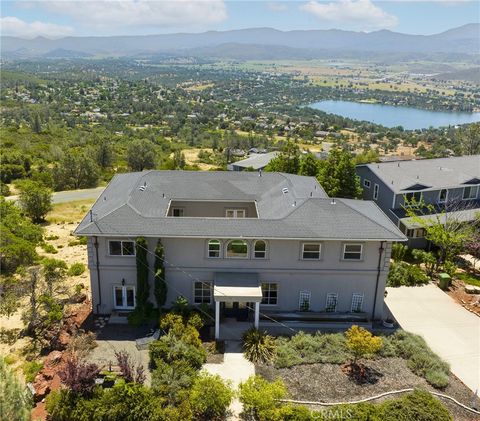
x=124, y=297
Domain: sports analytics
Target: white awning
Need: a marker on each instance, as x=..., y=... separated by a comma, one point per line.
x=234, y=286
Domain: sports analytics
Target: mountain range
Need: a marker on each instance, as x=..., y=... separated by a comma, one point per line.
x=253, y=43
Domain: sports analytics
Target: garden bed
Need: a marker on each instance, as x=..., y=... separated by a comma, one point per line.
x=328, y=383
x=469, y=301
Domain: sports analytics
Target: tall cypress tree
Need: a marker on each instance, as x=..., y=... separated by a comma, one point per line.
x=143, y=289
x=160, y=287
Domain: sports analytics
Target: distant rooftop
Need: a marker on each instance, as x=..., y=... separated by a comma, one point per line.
x=256, y=160
x=428, y=174
x=289, y=206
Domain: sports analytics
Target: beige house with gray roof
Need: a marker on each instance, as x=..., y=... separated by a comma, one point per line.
x=255, y=246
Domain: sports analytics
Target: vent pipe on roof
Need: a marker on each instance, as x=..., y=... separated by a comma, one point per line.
x=398, y=164
x=294, y=203
x=163, y=195
x=260, y=172
x=311, y=193
x=333, y=201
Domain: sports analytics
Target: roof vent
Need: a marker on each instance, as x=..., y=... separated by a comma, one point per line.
x=260, y=172
x=144, y=187
x=294, y=203
x=398, y=164
x=285, y=190
x=333, y=201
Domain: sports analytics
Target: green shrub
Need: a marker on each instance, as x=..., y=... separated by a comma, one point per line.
x=76, y=269
x=399, y=252
x=10, y=359
x=169, y=349
x=31, y=369
x=403, y=273
x=52, y=237
x=420, y=358
x=304, y=348
x=258, y=347
x=172, y=381
x=259, y=397
x=49, y=248
x=210, y=396
x=418, y=405
x=15, y=402
x=78, y=242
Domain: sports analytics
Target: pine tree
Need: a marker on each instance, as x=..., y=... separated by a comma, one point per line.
x=36, y=124
x=160, y=287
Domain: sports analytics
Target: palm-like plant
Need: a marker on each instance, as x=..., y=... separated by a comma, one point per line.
x=258, y=347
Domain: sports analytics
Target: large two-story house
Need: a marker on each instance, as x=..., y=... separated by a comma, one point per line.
x=451, y=185
x=253, y=245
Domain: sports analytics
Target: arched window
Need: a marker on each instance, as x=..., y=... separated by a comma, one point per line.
x=260, y=249
x=214, y=248
x=237, y=249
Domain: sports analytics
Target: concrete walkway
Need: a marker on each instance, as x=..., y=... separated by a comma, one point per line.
x=450, y=330
x=236, y=369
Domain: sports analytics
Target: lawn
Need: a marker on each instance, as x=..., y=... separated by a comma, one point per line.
x=468, y=278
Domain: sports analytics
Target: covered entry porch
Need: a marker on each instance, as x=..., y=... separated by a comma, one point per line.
x=236, y=295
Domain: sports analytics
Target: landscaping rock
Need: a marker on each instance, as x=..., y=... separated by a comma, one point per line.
x=471, y=289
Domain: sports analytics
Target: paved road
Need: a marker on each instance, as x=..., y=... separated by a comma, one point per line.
x=71, y=195
x=450, y=330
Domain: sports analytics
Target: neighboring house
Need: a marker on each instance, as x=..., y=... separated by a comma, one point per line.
x=450, y=184
x=248, y=243
x=256, y=161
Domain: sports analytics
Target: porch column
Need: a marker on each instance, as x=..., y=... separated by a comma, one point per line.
x=257, y=314
x=217, y=319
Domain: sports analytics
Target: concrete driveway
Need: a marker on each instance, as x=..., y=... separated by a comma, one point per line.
x=450, y=330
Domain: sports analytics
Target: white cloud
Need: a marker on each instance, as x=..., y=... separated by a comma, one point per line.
x=13, y=26
x=276, y=6
x=357, y=14
x=118, y=14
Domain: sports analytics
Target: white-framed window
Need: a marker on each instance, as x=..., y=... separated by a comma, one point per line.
x=442, y=196
x=237, y=249
x=412, y=198
x=357, y=303
x=352, y=251
x=311, y=251
x=214, y=248
x=202, y=292
x=260, y=249
x=367, y=183
x=304, y=300
x=124, y=297
x=331, y=303
x=235, y=213
x=410, y=233
x=177, y=212
x=375, y=191
x=470, y=192
x=121, y=248
x=269, y=293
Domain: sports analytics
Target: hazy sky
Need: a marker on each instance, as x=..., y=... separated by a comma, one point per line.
x=59, y=18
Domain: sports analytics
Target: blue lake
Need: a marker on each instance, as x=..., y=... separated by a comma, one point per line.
x=392, y=116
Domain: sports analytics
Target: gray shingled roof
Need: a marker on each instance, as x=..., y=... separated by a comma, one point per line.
x=434, y=174
x=256, y=161
x=305, y=211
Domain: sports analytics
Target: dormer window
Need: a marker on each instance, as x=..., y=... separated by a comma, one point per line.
x=470, y=192
x=413, y=199
x=235, y=213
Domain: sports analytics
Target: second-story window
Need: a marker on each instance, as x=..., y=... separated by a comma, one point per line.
x=121, y=248
x=470, y=192
x=214, y=247
x=366, y=183
x=442, y=196
x=311, y=251
x=352, y=251
x=235, y=213
x=413, y=199
x=237, y=249
x=260, y=249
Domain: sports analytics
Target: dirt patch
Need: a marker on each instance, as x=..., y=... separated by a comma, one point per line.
x=329, y=383
x=470, y=301
x=215, y=351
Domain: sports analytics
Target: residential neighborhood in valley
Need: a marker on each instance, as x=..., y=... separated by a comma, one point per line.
x=219, y=210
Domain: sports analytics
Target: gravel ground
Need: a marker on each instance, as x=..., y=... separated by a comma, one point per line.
x=328, y=383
